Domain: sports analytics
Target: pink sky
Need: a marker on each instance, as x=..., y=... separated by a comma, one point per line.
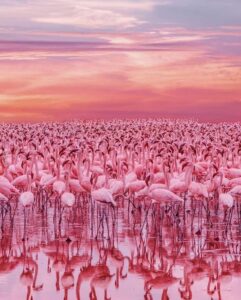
x=118, y=60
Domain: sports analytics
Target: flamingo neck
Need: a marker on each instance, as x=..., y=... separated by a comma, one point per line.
x=188, y=175
x=67, y=182
x=104, y=161
x=133, y=162
x=118, y=168
x=88, y=168
x=166, y=175
x=220, y=183
x=36, y=166
x=29, y=181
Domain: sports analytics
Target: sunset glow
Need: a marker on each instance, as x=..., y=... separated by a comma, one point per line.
x=71, y=59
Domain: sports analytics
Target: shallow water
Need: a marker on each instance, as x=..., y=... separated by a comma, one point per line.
x=97, y=252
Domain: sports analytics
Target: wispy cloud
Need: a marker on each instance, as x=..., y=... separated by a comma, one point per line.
x=79, y=13
x=77, y=58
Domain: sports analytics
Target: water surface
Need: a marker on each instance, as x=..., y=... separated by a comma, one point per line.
x=98, y=252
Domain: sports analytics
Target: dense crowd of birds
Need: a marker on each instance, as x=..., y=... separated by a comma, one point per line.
x=166, y=161
x=161, y=174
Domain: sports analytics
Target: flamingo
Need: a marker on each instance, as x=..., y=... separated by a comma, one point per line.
x=103, y=195
x=6, y=187
x=67, y=198
x=27, y=198
x=163, y=196
x=235, y=191
x=198, y=189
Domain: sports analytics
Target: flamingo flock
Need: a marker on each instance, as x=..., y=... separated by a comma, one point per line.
x=149, y=174
x=166, y=161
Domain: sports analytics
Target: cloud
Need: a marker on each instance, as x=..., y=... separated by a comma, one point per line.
x=89, y=18
x=110, y=44
x=81, y=13
x=116, y=83
x=78, y=58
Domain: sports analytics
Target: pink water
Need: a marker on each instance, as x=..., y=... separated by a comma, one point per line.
x=107, y=254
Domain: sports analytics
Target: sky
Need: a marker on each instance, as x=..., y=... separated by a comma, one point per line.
x=70, y=59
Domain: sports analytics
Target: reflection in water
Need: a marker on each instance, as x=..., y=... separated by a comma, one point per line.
x=137, y=250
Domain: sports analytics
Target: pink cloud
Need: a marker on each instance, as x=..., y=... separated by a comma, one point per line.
x=176, y=72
